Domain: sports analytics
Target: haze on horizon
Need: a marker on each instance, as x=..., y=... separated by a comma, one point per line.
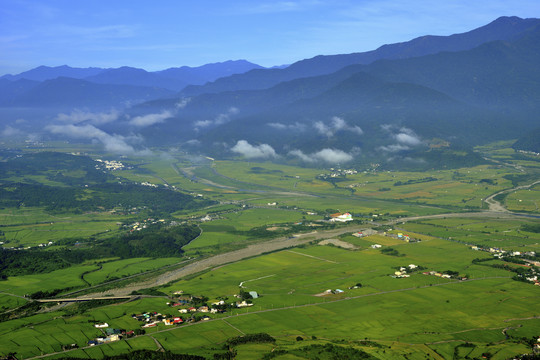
x=171, y=34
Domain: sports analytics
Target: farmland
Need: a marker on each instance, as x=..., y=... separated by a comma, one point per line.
x=481, y=309
x=432, y=310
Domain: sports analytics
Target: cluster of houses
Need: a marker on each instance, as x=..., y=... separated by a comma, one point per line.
x=532, y=276
x=365, y=232
x=444, y=275
x=111, y=335
x=341, y=217
x=26, y=247
x=152, y=319
x=500, y=253
x=338, y=173
x=528, y=152
x=336, y=291
x=404, y=237
x=400, y=236
x=146, y=183
x=109, y=165
x=46, y=244
x=402, y=272
x=143, y=224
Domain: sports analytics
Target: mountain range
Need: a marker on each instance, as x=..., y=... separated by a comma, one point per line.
x=396, y=104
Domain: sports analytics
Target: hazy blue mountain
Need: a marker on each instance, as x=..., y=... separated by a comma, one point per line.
x=496, y=75
x=466, y=98
x=10, y=90
x=209, y=72
x=387, y=110
x=172, y=78
x=126, y=75
x=529, y=142
x=69, y=92
x=499, y=74
x=43, y=73
x=504, y=28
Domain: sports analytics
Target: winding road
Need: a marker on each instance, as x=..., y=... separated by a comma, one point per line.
x=496, y=206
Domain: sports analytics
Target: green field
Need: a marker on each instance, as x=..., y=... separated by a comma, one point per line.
x=117, y=269
x=33, y=226
x=420, y=310
x=524, y=200
x=505, y=234
x=422, y=316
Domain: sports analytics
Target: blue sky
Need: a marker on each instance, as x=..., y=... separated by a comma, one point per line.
x=156, y=35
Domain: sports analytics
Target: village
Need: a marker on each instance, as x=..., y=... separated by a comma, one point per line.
x=192, y=308
x=527, y=260
x=109, y=164
x=143, y=224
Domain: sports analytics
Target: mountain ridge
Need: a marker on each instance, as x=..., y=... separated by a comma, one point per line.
x=503, y=28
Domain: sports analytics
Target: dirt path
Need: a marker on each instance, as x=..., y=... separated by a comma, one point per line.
x=279, y=244
x=221, y=259
x=496, y=206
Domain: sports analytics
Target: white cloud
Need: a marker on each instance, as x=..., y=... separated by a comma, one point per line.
x=218, y=120
x=408, y=137
x=393, y=148
x=336, y=124
x=294, y=127
x=182, y=103
x=202, y=124
x=11, y=131
x=300, y=154
x=249, y=151
x=150, y=119
x=193, y=142
x=114, y=143
x=405, y=138
x=78, y=116
x=331, y=156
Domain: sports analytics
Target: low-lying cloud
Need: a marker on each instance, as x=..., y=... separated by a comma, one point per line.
x=405, y=138
x=290, y=127
x=393, y=148
x=218, y=120
x=263, y=151
x=182, y=103
x=10, y=131
x=79, y=116
x=150, y=119
x=114, y=143
x=336, y=124
x=331, y=156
